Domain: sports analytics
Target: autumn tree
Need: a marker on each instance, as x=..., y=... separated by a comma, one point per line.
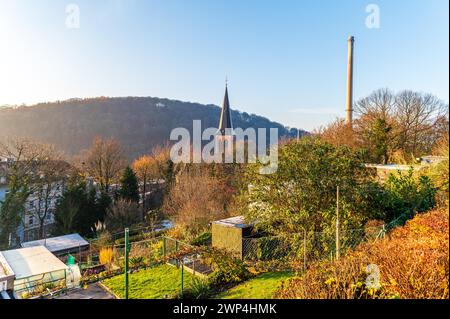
x=338, y=133
x=196, y=199
x=143, y=167
x=104, y=161
x=163, y=167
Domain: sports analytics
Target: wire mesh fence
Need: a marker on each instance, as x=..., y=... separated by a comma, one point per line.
x=304, y=248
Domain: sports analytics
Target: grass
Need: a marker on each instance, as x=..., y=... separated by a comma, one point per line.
x=260, y=287
x=152, y=283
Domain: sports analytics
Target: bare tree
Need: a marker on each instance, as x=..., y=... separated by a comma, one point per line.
x=122, y=214
x=47, y=187
x=407, y=123
x=29, y=164
x=104, y=161
x=196, y=199
x=417, y=117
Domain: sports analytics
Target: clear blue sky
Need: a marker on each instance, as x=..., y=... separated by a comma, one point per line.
x=284, y=59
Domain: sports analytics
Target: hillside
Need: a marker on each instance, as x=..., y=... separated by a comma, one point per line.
x=139, y=123
x=412, y=261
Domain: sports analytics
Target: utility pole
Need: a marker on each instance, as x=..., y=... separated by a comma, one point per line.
x=337, y=224
x=126, y=261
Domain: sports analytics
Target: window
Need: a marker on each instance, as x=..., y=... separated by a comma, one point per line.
x=30, y=221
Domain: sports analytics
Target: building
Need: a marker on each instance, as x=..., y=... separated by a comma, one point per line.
x=6, y=279
x=229, y=234
x=35, y=270
x=61, y=245
x=225, y=122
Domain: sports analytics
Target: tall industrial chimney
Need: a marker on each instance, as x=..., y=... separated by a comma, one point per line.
x=349, y=108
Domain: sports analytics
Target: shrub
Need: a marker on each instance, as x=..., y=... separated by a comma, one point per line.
x=202, y=240
x=226, y=269
x=199, y=289
x=412, y=262
x=136, y=261
x=407, y=193
x=106, y=256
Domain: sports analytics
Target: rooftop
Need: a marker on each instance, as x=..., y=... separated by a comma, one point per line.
x=237, y=221
x=28, y=262
x=5, y=269
x=60, y=243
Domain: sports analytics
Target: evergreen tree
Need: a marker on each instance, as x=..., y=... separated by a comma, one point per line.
x=70, y=209
x=129, y=189
x=79, y=209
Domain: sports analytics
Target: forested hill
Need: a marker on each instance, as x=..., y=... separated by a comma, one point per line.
x=139, y=123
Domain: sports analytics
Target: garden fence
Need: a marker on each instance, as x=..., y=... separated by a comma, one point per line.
x=303, y=248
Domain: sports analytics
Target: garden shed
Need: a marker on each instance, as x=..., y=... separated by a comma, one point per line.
x=61, y=245
x=229, y=233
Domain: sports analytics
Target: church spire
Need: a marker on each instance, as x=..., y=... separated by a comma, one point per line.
x=225, y=116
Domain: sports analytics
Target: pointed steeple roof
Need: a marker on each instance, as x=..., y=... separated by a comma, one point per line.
x=225, y=116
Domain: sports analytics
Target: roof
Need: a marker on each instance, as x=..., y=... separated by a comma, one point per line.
x=237, y=221
x=60, y=243
x=225, y=115
x=32, y=261
x=5, y=269
x=396, y=167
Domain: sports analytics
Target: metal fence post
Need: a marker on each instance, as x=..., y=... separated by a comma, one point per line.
x=304, y=250
x=338, y=248
x=182, y=277
x=164, y=247
x=126, y=262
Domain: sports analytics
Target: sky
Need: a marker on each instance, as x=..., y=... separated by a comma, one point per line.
x=286, y=60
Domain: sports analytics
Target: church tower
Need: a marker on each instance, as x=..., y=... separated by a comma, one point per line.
x=225, y=122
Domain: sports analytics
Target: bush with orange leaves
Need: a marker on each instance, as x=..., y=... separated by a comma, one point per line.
x=412, y=262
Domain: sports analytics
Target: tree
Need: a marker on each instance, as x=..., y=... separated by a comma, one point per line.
x=11, y=211
x=104, y=161
x=122, y=214
x=69, y=208
x=417, y=116
x=301, y=194
x=29, y=164
x=407, y=124
x=143, y=168
x=46, y=189
x=379, y=140
x=339, y=133
x=196, y=199
x=129, y=188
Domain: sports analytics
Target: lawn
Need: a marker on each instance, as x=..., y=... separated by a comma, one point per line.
x=260, y=287
x=152, y=283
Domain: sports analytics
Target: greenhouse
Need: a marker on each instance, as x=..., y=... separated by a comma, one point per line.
x=37, y=270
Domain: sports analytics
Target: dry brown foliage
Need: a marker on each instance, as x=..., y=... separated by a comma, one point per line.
x=104, y=161
x=338, y=133
x=196, y=199
x=413, y=262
